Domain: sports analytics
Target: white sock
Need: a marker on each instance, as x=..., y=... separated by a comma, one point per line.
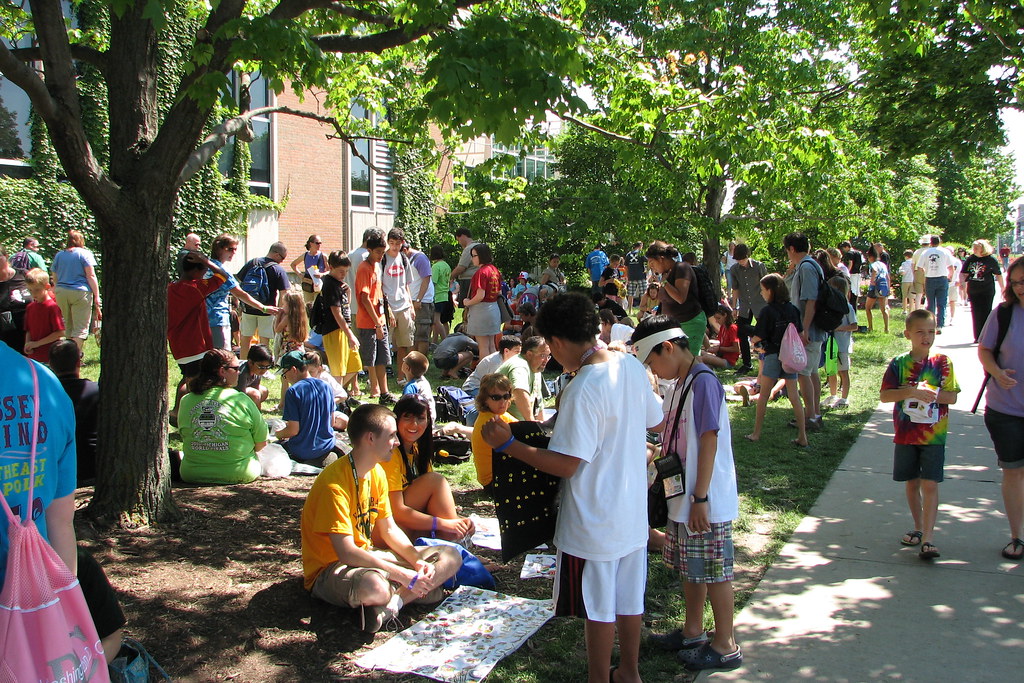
x=395, y=603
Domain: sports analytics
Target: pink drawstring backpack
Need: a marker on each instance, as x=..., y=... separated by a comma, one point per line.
x=792, y=354
x=46, y=632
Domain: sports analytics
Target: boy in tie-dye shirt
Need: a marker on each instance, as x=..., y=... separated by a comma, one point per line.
x=922, y=385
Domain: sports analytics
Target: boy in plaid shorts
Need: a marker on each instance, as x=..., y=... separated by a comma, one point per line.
x=702, y=496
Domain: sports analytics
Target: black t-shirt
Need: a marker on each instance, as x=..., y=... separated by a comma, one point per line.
x=615, y=308
x=853, y=260
x=690, y=308
x=277, y=281
x=85, y=396
x=246, y=378
x=334, y=293
x=981, y=273
x=636, y=265
x=772, y=322
x=14, y=297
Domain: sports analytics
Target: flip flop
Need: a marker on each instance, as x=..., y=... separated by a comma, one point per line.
x=1016, y=550
x=797, y=443
x=928, y=552
x=913, y=536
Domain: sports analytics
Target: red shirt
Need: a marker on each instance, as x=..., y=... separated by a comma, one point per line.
x=368, y=282
x=188, y=326
x=42, y=318
x=728, y=336
x=489, y=279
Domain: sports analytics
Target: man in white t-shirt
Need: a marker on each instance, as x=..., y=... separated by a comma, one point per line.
x=599, y=447
x=396, y=280
x=937, y=265
x=508, y=346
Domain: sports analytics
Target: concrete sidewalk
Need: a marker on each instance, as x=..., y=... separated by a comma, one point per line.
x=846, y=602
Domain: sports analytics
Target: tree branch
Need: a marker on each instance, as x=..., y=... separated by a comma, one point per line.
x=602, y=131
x=82, y=53
x=224, y=131
x=374, y=42
x=816, y=219
x=27, y=78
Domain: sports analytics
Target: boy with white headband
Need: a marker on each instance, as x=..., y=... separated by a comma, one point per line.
x=702, y=499
x=599, y=446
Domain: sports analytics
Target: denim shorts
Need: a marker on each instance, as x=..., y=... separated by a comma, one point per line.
x=912, y=461
x=771, y=367
x=1007, y=434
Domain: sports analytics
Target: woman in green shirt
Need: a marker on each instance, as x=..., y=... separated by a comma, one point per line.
x=221, y=428
x=441, y=274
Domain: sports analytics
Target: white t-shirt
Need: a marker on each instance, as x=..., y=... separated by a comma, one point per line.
x=621, y=333
x=487, y=365
x=395, y=279
x=723, y=499
x=958, y=266
x=935, y=262
x=907, y=270
x=603, y=515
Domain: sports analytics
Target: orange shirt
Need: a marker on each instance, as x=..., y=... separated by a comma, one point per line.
x=483, y=454
x=368, y=282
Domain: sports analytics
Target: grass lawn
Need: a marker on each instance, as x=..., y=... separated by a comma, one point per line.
x=778, y=484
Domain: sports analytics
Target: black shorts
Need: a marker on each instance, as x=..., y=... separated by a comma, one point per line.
x=101, y=598
x=913, y=461
x=445, y=310
x=1007, y=434
x=446, y=362
x=190, y=370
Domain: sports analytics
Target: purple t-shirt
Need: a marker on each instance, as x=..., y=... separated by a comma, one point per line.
x=706, y=396
x=1011, y=357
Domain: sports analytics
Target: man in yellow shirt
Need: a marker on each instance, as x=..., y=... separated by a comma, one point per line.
x=346, y=511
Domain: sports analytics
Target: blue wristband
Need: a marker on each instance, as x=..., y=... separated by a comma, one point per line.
x=505, y=445
x=433, y=527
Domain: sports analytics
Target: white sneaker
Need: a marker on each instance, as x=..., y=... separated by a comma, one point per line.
x=828, y=403
x=841, y=403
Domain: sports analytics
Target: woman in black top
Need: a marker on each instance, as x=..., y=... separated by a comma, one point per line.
x=981, y=273
x=14, y=298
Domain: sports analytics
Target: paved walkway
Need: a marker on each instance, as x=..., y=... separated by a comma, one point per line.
x=846, y=602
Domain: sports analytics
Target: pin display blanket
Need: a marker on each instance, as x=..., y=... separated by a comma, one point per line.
x=524, y=497
x=537, y=566
x=463, y=638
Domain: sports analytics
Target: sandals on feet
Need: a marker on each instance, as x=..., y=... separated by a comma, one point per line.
x=675, y=640
x=1014, y=550
x=750, y=437
x=796, y=442
x=706, y=658
x=928, y=552
x=911, y=538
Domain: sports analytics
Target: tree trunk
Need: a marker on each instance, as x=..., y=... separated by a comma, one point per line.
x=712, y=256
x=132, y=471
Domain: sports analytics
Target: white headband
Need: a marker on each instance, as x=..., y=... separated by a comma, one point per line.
x=643, y=348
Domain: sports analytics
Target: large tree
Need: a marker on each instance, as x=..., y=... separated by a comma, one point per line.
x=472, y=66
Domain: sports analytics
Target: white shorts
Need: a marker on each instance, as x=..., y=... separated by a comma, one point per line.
x=844, y=361
x=250, y=322
x=606, y=589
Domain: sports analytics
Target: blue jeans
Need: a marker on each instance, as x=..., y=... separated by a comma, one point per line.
x=937, y=291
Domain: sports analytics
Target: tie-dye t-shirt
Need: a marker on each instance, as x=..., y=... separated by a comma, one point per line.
x=936, y=370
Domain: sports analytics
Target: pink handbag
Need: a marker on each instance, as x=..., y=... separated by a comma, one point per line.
x=792, y=354
x=46, y=631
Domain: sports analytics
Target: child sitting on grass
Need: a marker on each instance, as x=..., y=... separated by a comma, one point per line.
x=844, y=344
x=44, y=323
x=724, y=350
x=923, y=386
x=415, y=366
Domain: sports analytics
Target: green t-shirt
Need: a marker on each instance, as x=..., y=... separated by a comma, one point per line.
x=440, y=273
x=219, y=429
x=518, y=371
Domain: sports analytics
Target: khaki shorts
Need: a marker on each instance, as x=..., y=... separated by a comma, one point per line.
x=339, y=584
x=424, y=321
x=76, y=308
x=251, y=323
x=402, y=333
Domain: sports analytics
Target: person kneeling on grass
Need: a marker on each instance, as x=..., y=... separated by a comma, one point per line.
x=698, y=538
x=308, y=414
x=347, y=512
x=421, y=499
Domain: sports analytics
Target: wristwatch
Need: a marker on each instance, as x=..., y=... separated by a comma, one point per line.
x=695, y=499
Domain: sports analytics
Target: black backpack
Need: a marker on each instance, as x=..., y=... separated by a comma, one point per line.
x=832, y=307
x=705, y=290
x=452, y=404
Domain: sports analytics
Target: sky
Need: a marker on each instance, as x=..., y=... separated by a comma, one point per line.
x=1014, y=121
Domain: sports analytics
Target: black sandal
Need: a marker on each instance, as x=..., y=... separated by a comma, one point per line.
x=913, y=536
x=1016, y=551
x=928, y=552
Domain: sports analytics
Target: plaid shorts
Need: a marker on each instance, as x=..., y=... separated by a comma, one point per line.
x=703, y=558
x=636, y=287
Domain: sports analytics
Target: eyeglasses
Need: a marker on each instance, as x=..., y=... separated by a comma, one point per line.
x=264, y=366
x=236, y=368
x=500, y=397
x=317, y=242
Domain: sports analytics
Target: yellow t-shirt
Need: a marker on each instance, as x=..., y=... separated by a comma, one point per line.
x=331, y=508
x=482, y=452
x=396, y=472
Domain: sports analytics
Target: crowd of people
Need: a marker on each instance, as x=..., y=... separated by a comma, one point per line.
x=636, y=355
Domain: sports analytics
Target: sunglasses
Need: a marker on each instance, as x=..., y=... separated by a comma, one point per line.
x=317, y=242
x=500, y=397
x=264, y=366
x=232, y=367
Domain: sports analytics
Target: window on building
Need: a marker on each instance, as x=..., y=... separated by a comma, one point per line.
x=260, y=173
x=15, y=138
x=370, y=189
x=536, y=163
